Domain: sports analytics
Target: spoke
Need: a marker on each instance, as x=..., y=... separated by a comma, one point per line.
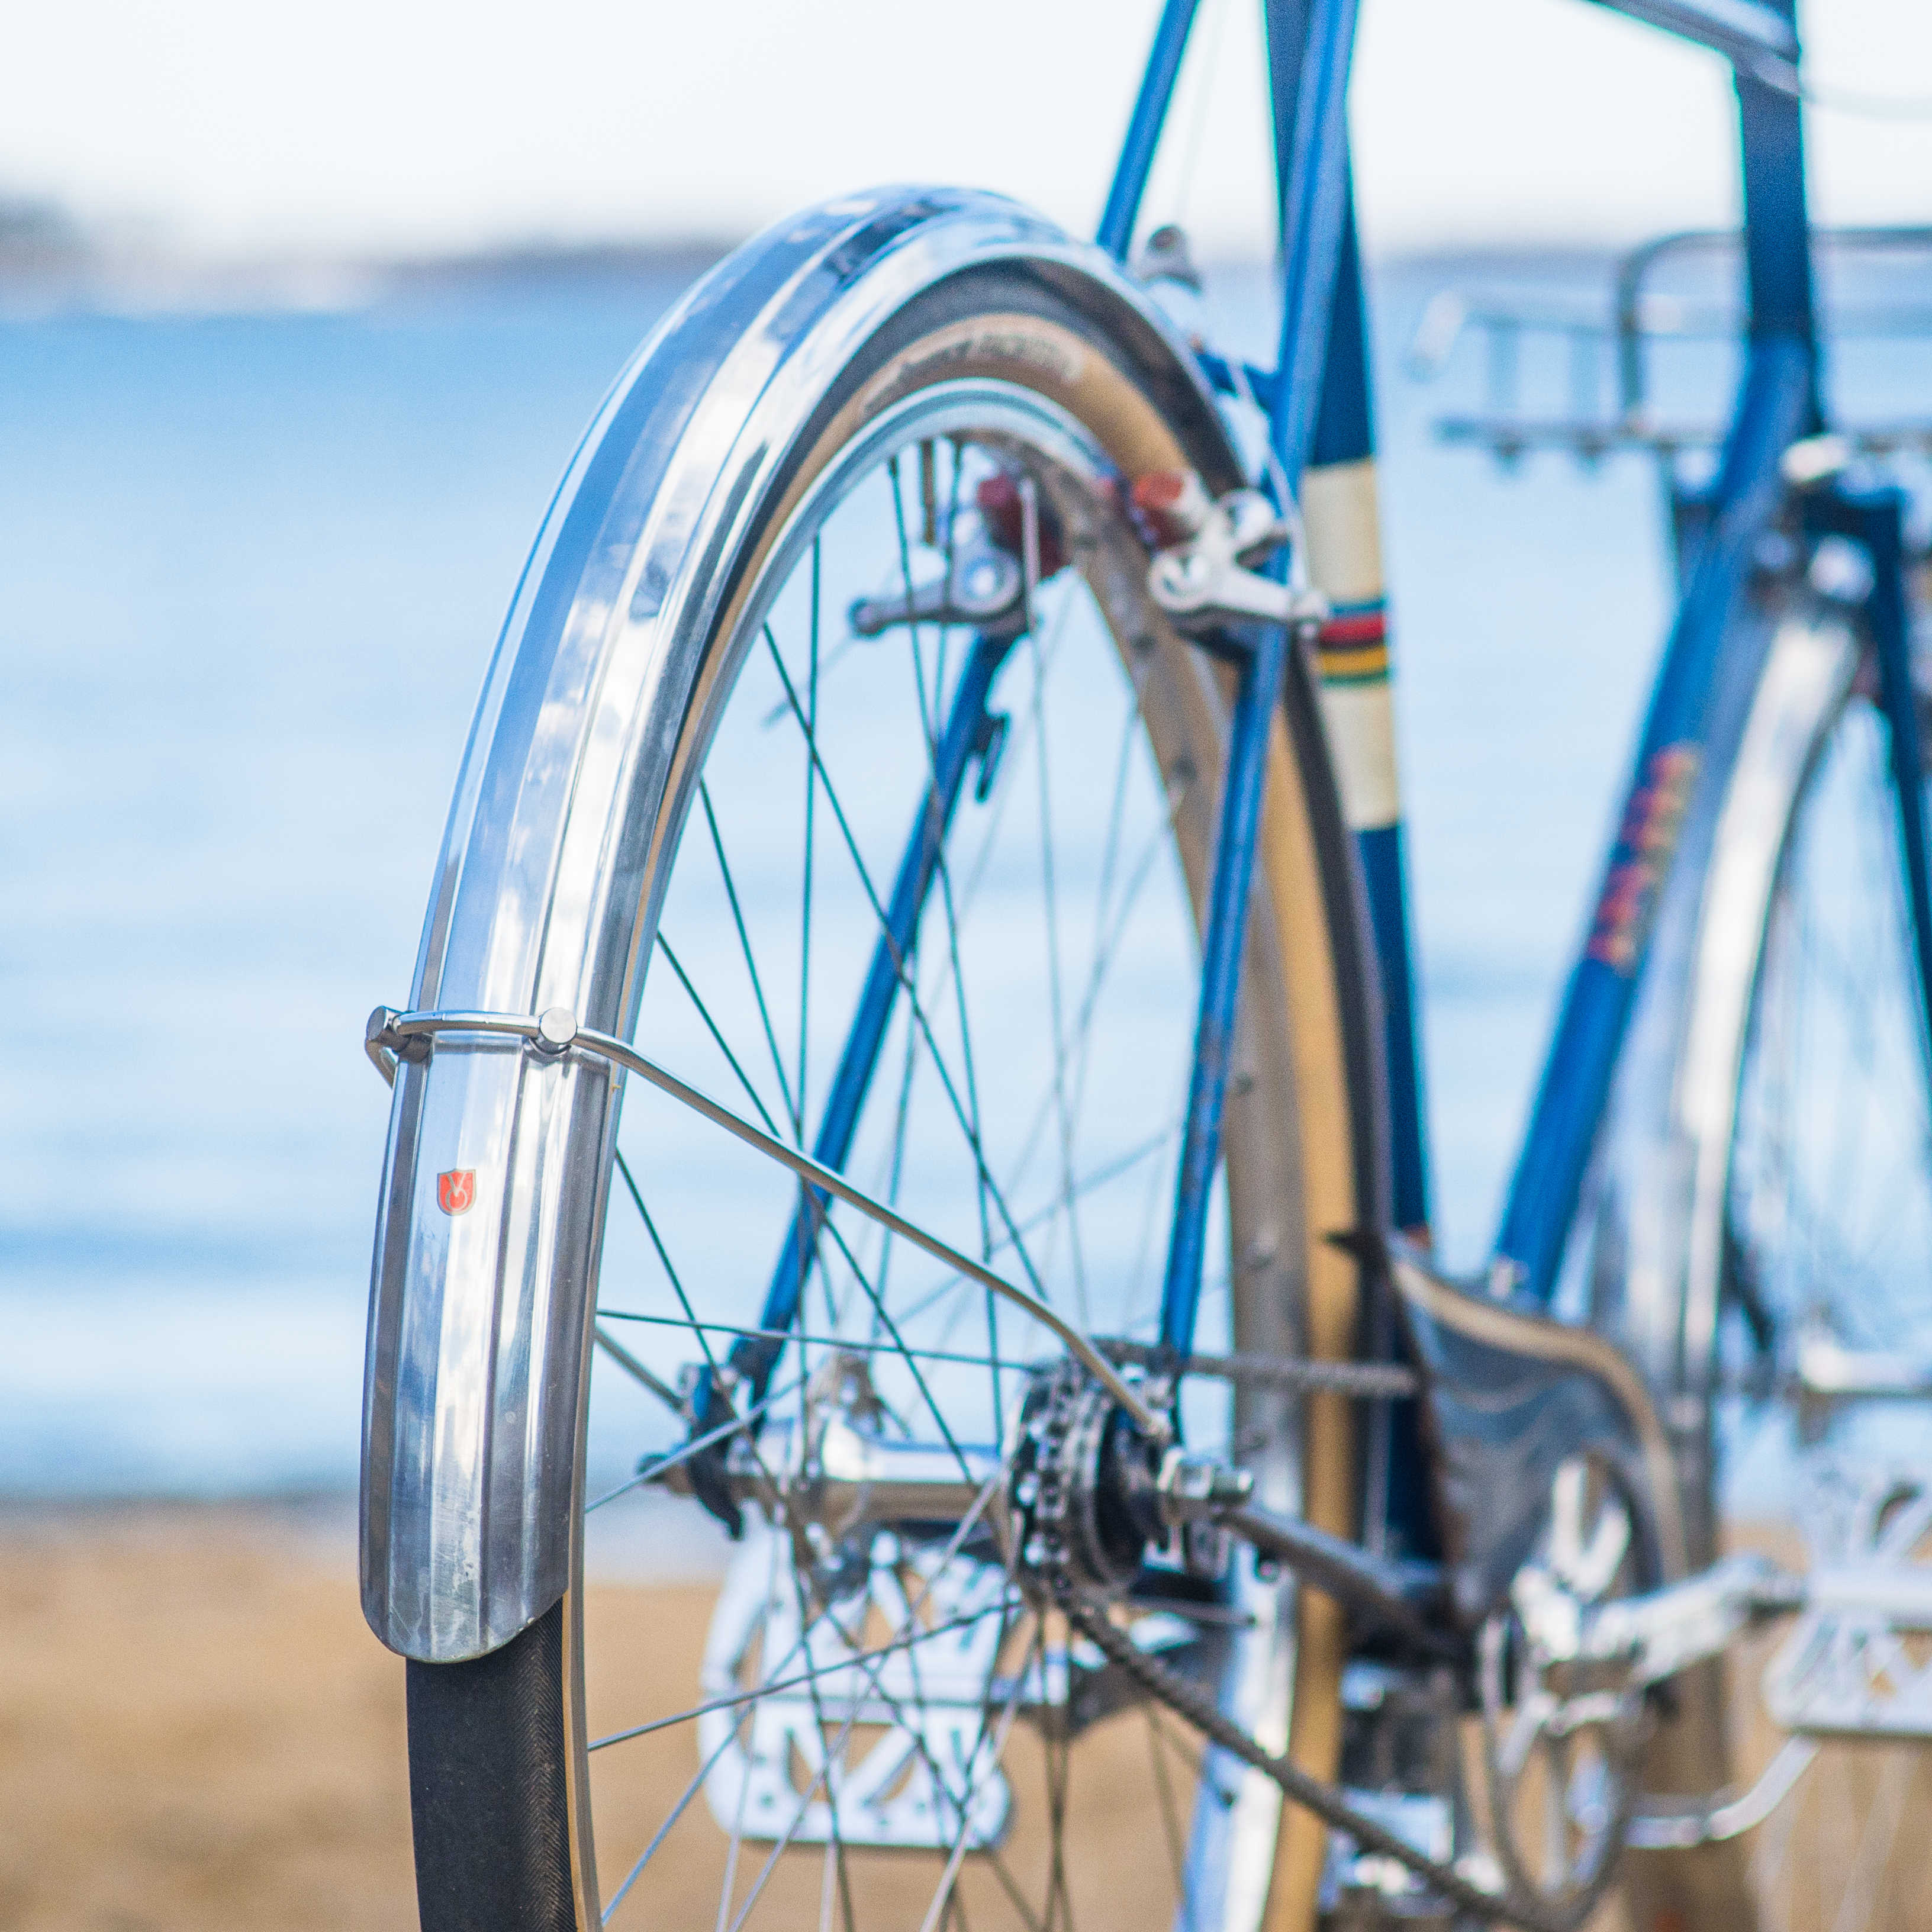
x=773, y=1687
x=737, y=1838
x=896, y=1166
x=689, y=1449
x=899, y=1640
x=745, y=946
x=811, y=773
x=835, y=1848
x=905, y=978
x=928, y=729
x=664, y=1465
x=929, y=725
x=1017, y=1899
x=1020, y=740
x=665, y=1261
x=1033, y=1651
x=657, y=1837
x=1110, y=849
x=1057, y=1754
x=1152, y=1202
x=824, y=1178
x=1195, y=1761
x=632, y=1367
x=1107, y=937
x=711, y=1026
x=1109, y=1171
x=1164, y=1793
x=806, y=1208
x=1086, y=1185
x=883, y=1320
x=1055, y=1004
x=1103, y=960
x=845, y=1730
x=842, y=1342
x=697, y=1329
x=943, y=1898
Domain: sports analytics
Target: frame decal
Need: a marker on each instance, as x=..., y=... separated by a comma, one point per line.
x=1652, y=820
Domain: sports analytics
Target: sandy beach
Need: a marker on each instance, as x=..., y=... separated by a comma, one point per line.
x=196, y=1729
x=198, y=1733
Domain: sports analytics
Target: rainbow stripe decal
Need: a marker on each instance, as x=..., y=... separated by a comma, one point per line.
x=1353, y=647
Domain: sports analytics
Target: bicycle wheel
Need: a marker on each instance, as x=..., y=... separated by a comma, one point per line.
x=1789, y=1210
x=899, y=654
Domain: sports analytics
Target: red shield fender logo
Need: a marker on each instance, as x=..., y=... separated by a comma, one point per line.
x=456, y=1191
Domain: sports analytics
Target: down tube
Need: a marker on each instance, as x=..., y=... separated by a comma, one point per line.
x=1773, y=409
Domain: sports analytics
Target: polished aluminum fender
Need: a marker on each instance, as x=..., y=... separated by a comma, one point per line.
x=499, y=1154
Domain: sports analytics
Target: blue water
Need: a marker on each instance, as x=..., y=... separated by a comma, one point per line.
x=250, y=568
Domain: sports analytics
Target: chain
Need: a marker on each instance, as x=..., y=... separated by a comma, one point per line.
x=1086, y=1612
x=1049, y=1511
x=1052, y=1549
x=1384, y=1380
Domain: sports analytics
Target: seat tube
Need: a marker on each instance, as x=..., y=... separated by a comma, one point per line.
x=1340, y=507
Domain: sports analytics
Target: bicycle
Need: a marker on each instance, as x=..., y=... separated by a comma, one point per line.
x=1065, y=1347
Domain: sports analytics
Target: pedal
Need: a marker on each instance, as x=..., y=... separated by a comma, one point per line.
x=1858, y=1662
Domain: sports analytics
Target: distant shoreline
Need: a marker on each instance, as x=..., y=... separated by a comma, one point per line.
x=44, y=280
x=43, y=277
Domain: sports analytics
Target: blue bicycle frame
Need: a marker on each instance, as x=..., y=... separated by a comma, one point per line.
x=1318, y=398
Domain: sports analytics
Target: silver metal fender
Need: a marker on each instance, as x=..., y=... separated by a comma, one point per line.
x=553, y=864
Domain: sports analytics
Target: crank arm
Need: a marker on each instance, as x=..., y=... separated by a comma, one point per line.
x=1690, y=1622
x=1668, y=1630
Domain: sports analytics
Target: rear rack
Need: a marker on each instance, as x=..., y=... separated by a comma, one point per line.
x=1605, y=363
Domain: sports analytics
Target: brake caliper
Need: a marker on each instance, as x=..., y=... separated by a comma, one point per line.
x=1203, y=570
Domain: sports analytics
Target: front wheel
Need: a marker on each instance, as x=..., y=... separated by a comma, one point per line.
x=919, y=889
x=1782, y=1225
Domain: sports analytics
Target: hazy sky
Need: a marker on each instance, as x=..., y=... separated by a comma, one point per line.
x=415, y=123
